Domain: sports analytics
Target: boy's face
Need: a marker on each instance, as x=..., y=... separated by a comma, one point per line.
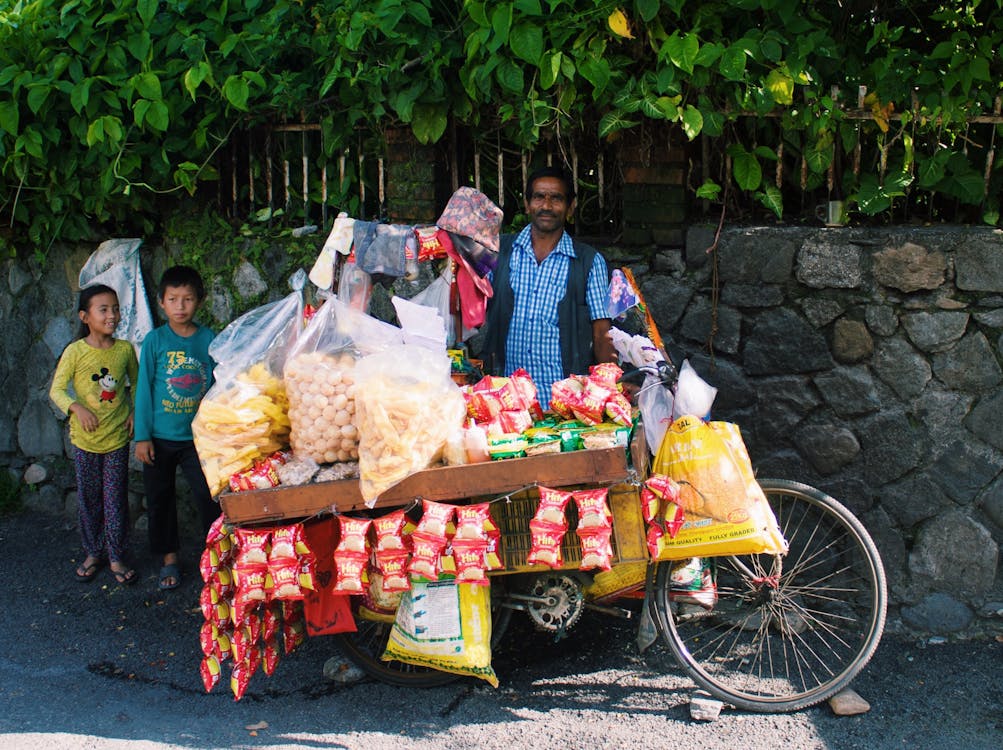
x=179, y=304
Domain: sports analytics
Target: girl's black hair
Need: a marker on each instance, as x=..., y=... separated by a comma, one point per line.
x=84, y=304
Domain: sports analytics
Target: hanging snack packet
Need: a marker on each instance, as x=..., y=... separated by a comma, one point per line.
x=471, y=522
x=287, y=541
x=250, y=590
x=597, y=551
x=353, y=535
x=208, y=563
x=271, y=619
x=426, y=551
x=209, y=640
x=593, y=511
x=551, y=507
x=210, y=669
x=350, y=572
x=293, y=625
x=214, y=608
x=270, y=655
x=390, y=532
x=470, y=562
x=435, y=518
x=252, y=546
x=545, y=543
x=285, y=574
x=393, y=571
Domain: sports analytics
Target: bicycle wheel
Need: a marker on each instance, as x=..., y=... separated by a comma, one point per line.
x=365, y=648
x=786, y=631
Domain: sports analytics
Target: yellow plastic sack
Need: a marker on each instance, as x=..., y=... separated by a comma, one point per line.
x=444, y=625
x=726, y=510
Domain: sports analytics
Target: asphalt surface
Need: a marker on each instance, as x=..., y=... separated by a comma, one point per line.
x=100, y=665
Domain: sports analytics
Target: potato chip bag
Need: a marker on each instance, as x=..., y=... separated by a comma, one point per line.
x=426, y=549
x=435, y=518
x=214, y=608
x=285, y=573
x=389, y=532
x=551, y=506
x=605, y=373
x=545, y=543
x=270, y=655
x=564, y=394
x=470, y=562
x=597, y=551
x=618, y=409
x=210, y=669
x=393, y=571
x=271, y=620
x=352, y=538
x=252, y=546
x=287, y=541
x=350, y=568
x=593, y=510
x=208, y=640
x=471, y=521
x=293, y=625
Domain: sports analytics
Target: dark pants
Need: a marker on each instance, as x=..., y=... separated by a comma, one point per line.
x=103, y=502
x=161, y=496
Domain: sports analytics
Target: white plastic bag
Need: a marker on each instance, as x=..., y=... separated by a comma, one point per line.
x=115, y=263
x=655, y=402
x=694, y=395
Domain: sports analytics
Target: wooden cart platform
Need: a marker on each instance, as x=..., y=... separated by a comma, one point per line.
x=594, y=466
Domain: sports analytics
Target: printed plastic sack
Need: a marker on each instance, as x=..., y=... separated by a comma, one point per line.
x=243, y=417
x=319, y=377
x=406, y=406
x=444, y=626
x=115, y=263
x=726, y=510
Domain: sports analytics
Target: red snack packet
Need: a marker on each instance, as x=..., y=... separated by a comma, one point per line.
x=597, y=551
x=551, y=507
x=270, y=655
x=471, y=521
x=223, y=580
x=353, y=535
x=260, y=476
x=470, y=563
x=287, y=541
x=618, y=409
x=208, y=563
x=307, y=565
x=214, y=608
x=250, y=590
x=492, y=552
x=240, y=675
x=511, y=420
x=293, y=625
x=240, y=643
x=225, y=644
x=208, y=640
x=349, y=569
x=393, y=567
x=521, y=383
x=271, y=620
x=592, y=508
x=545, y=545
x=564, y=394
x=210, y=669
x=663, y=486
x=285, y=574
x=252, y=545
x=390, y=532
x=605, y=373
x=429, y=247
x=591, y=405
x=435, y=518
x=218, y=531
x=425, y=553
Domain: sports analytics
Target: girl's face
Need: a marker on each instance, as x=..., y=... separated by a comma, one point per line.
x=102, y=315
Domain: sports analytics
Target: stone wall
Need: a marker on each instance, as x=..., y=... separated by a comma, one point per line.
x=864, y=362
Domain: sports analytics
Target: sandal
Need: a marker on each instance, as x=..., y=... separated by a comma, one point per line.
x=125, y=577
x=86, y=573
x=170, y=577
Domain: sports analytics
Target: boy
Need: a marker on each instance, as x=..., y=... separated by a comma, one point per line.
x=175, y=371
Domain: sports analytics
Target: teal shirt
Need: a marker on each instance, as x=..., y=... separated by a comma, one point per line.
x=174, y=374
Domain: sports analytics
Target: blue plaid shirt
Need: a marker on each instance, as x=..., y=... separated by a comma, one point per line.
x=534, y=340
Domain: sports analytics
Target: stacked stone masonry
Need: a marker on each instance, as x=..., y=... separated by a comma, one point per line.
x=865, y=362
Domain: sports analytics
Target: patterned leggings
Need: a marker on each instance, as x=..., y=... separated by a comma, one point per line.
x=103, y=502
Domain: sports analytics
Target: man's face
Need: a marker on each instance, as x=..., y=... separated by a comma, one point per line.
x=547, y=205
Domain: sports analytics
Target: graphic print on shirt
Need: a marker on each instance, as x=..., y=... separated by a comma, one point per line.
x=186, y=379
x=108, y=384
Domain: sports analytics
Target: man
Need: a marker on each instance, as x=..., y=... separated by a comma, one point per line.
x=548, y=313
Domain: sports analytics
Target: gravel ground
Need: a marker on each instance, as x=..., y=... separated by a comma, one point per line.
x=104, y=666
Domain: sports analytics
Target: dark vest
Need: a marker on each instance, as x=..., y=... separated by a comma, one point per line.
x=572, y=313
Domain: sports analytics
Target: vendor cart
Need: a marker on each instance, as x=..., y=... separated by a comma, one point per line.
x=782, y=632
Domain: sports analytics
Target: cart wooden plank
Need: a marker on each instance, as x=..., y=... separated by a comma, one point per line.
x=594, y=466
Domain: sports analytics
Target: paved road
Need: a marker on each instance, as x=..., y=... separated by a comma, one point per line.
x=102, y=666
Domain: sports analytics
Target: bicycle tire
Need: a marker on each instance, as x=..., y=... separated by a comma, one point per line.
x=365, y=647
x=783, y=644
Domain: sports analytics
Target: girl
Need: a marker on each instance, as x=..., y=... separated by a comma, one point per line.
x=100, y=369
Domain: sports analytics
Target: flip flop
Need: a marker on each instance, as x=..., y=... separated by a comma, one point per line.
x=170, y=570
x=88, y=573
x=125, y=577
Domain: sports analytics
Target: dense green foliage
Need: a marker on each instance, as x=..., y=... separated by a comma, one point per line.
x=109, y=108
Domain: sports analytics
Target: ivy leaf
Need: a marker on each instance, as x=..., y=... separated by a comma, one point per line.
x=550, y=68
x=501, y=23
x=148, y=86
x=194, y=77
x=773, y=199
x=31, y=141
x=429, y=122
x=526, y=41
x=745, y=168
x=529, y=7
x=692, y=121
x=80, y=95
x=157, y=117
x=870, y=198
x=139, y=110
x=613, y=122
x=139, y=45
x=147, y=10
x=9, y=117
x=509, y=75
x=682, y=51
x=236, y=91
x=596, y=71
x=780, y=84
x=112, y=128
x=619, y=25
x=95, y=132
x=732, y=65
x=37, y=94
x=648, y=9
x=932, y=170
x=710, y=190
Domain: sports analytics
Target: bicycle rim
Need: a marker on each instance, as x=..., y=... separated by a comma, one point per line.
x=785, y=632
